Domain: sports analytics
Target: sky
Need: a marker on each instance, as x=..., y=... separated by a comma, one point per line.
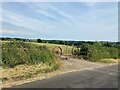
x=80, y=21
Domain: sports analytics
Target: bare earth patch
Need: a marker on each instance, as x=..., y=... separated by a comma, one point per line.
x=24, y=73
x=78, y=64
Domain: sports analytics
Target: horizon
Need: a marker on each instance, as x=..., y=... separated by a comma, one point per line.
x=70, y=21
x=59, y=39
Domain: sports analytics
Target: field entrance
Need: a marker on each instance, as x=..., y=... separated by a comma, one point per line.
x=68, y=52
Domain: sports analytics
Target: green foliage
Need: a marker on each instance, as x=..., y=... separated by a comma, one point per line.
x=39, y=40
x=97, y=52
x=63, y=42
x=113, y=52
x=84, y=51
x=90, y=50
x=16, y=53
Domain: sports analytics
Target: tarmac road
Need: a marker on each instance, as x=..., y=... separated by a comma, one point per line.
x=104, y=77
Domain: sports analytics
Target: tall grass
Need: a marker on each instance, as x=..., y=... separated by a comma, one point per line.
x=15, y=53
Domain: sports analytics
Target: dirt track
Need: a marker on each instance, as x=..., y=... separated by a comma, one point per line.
x=78, y=64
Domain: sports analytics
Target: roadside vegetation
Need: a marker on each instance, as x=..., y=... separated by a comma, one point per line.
x=88, y=50
x=24, y=58
x=15, y=53
x=98, y=52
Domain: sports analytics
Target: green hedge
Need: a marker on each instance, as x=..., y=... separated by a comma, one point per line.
x=96, y=52
x=16, y=53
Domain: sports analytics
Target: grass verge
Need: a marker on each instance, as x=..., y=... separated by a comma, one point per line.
x=22, y=60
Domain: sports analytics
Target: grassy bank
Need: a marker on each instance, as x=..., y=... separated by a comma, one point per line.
x=26, y=59
x=23, y=72
x=16, y=53
x=50, y=46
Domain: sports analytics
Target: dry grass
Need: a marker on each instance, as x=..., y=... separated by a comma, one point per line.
x=27, y=72
x=115, y=61
x=51, y=46
x=22, y=72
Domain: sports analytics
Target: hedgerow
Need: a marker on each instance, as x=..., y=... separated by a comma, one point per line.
x=96, y=52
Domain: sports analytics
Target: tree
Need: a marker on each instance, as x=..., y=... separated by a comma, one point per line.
x=39, y=40
x=84, y=51
x=108, y=44
x=61, y=42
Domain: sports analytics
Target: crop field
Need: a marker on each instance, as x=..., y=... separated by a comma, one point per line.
x=51, y=47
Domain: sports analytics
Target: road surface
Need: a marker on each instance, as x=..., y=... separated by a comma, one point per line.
x=104, y=77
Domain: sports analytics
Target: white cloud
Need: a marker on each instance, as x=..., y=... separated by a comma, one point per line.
x=22, y=21
x=8, y=31
x=61, y=12
x=89, y=25
x=48, y=10
x=44, y=13
x=14, y=32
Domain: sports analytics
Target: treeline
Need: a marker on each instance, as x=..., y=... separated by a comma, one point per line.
x=63, y=42
x=17, y=39
x=79, y=43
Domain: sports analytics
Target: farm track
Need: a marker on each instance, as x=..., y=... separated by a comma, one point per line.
x=77, y=64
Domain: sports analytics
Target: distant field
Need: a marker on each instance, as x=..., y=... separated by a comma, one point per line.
x=51, y=47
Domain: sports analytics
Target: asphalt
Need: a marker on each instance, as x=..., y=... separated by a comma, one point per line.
x=104, y=77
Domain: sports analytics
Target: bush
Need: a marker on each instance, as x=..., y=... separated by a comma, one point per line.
x=39, y=40
x=84, y=51
x=113, y=52
x=16, y=53
x=96, y=52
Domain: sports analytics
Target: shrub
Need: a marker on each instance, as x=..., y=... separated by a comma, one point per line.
x=84, y=51
x=97, y=52
x=39, y=40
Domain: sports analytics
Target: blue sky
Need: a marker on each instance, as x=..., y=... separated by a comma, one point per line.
x=61, y=21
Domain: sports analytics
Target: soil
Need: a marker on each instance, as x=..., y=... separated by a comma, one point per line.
x=78, y=64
